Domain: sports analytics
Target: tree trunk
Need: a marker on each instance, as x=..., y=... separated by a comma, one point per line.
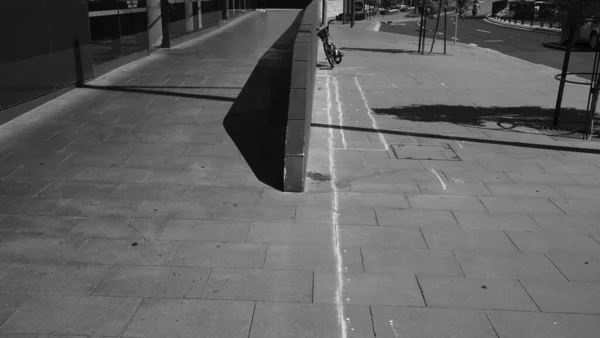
x=437, y=24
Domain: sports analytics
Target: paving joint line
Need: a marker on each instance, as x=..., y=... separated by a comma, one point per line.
x=487, y=315
x=559, y=270
x=511, y=240
x=372, y=321
x=421, y=289
x=527, y=292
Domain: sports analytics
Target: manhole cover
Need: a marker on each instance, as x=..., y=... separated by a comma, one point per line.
x=439, y=152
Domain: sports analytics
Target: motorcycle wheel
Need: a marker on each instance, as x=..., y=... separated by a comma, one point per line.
x=330, y=59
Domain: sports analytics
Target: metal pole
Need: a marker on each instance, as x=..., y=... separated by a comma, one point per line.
x=344, y=5
x=420, y=33
x=424, y=30
x=324, y=14
x=353, y=10
x=588, y=128
x=445, y=27
x=456, y=26
x=565, y=68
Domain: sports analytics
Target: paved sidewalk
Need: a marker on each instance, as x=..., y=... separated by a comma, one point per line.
x=491, y=220
x=146, y=204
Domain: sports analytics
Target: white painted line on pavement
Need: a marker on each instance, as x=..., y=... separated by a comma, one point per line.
x=481, y=30
x=335, y=224
x=439, y=178
x=373, y=122
x=472, y=44
x=339, y=109
x=377, y=26
x=361, y=149
x=444, y=85
x=412, y=138
x=460, y=145
x=494, y=41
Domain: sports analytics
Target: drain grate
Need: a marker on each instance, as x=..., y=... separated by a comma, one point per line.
x=439, y=152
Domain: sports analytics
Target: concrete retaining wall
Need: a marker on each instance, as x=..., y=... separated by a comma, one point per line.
x=304, y=64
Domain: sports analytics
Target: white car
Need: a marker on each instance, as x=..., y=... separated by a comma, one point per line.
x=589, y=33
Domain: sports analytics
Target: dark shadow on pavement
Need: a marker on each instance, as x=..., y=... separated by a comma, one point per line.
x=257, y=121
x=460, y=138
x=141, y=90
x=528, y=116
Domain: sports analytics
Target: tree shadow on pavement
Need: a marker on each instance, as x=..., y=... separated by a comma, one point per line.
x=257, y=120
x=527, y=116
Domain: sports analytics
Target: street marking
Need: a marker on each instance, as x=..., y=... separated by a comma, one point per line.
x=443, y=84
x=481, y=30
x=360, y=149
x=339, y=109
x=460, y=145
x=439, y=178
x=494, y=41
x=377, y=26
x=335, y=224
x=472, y=44
x=412, y=138
x=373, y=122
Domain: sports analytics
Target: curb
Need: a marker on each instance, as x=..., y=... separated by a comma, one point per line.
x=549, y=31
x=554, y=45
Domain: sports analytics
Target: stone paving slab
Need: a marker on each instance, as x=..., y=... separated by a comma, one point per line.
x=369, y=289
x=475, y=293
x=482, y=240
x=520, y=205
x=46, y=225
x=122, y=252
x=430, y=322
x=274, y=320
x=554, y=242
x=153, y=281
x=394, y=260
x=543, y=325
x=191, y=318
x=585, y=224
x=564, y=297
x=48, y=279
x=580, y=268
x=495, y=221
x=217, y=254
x=258, y=284
x=72, y=315
x=119, y=227
x=313, y=258
x=416, y=218
x=511, y=265
x=205, y=231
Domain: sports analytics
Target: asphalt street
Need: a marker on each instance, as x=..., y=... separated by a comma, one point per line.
x=525, y=45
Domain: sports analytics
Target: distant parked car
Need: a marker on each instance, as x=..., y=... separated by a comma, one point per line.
x=589, y=33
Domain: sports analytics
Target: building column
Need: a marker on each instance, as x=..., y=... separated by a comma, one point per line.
x=189, y=16
x=165, y=9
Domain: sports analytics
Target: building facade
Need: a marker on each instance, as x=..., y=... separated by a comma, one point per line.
x=51, y=45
